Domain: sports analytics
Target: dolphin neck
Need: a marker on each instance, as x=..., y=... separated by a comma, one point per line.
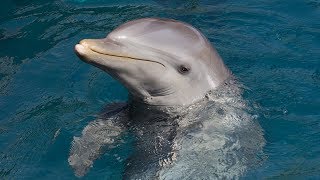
x=137, y=106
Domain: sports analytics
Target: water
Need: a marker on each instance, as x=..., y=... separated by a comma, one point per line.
x=47, y=95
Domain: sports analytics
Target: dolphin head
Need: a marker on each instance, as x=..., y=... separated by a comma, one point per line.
x=159, y=61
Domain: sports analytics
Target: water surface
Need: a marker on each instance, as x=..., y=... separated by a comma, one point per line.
x=47, y=95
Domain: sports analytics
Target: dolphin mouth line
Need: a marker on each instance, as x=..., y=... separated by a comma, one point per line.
x=119, y=56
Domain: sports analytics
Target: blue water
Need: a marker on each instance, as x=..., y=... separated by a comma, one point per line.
x=47, y=95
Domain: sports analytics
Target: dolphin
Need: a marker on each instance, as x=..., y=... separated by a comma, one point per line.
x=185, y=109
x=159, y=61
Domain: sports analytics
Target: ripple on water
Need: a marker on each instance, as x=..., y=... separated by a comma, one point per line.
x=34, y=129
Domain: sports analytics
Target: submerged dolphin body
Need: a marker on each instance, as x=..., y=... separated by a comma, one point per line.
x=185, y=108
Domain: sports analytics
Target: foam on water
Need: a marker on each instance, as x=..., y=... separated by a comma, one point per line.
x=215, y=138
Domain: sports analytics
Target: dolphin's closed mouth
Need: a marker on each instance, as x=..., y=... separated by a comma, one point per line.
x=82, y=47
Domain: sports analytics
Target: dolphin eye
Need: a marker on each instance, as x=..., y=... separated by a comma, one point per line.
x=184, y=69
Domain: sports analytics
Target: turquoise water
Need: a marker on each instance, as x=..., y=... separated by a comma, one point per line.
x=47, y=95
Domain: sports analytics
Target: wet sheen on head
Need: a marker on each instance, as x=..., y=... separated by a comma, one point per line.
x=161, y=34
x=160, y=61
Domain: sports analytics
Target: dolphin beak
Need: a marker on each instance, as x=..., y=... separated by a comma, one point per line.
x=108, y=52
x=104, y=47
x=93, y=47
x=101, y=53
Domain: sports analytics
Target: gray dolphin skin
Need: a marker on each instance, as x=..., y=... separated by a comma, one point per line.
x=160, y=61
x=185, y=113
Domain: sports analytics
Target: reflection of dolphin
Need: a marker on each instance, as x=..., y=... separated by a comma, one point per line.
x=169, y=68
